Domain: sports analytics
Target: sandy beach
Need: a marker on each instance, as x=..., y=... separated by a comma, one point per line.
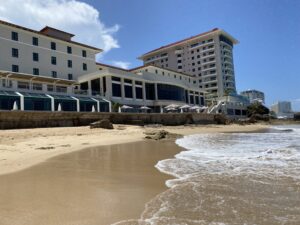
x=79, y=175
x=20, y=149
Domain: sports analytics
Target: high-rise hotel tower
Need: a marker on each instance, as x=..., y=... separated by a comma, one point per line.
x=207, y=56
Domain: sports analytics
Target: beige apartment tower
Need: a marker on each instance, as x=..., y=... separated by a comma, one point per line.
x=208, y=57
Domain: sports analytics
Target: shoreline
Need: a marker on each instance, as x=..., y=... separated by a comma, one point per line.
x=105, y=180
x=21, y=149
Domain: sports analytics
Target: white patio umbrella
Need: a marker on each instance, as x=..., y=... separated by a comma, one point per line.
x=181, y=110
x=172, y=106
x=171, y=109
x=161, y=110
x=15, y=106
x=185, y=107
x=59, y=108
x=144, y=107
x=93, y=109
x=119, y=110
x=195, y=107
x=126, y=107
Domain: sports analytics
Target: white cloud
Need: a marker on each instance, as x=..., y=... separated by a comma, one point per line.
x=72, y=16
x=121, y=64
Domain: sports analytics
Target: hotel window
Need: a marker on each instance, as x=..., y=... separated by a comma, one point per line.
x=170, y=92
x=15, y=68
x=139, y=92
x=116, y=79
x=54, y=74
x=35, y=41
x=70, y=76
x=69, y=50
x=15, y=53
x=37, y=87
x=50, y=88
x=61, y=89
x=128, y=91
x=53, y=45
x=83, y=53
x=150, y=91
x=53, y=60
x=35, y=57
x=14, y=36
x=36, y=71
x=116, y=90
x=70, y=63
x=84, y=66
x=23, y=85
x=127, y=81
x=179, y=67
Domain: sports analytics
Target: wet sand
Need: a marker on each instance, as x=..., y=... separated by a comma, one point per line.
x=94, y=186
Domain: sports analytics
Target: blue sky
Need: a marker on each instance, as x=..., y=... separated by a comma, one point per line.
x=267, y=57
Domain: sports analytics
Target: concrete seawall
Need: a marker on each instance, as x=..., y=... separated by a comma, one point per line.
x=26, y=119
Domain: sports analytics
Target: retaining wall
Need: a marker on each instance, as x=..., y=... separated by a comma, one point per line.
x=26, y=119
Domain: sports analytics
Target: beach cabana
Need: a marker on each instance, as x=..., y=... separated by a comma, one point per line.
x=8, y=99
x=36, y=101
x=66, y=102
x=144, y=108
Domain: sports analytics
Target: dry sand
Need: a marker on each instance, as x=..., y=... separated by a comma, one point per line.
x=20, y=149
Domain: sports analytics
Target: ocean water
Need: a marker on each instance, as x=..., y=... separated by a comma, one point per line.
x=230, y=178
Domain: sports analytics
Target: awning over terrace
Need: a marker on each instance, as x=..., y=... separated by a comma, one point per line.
x=24, y=76
x=66, y=102
x=36, y=101
x=7, y=100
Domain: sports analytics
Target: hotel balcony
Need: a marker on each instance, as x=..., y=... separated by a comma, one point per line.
x=202, y=45
x=179, y=51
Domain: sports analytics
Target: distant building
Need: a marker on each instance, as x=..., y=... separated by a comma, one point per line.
x=254, y=95
x=283, y=109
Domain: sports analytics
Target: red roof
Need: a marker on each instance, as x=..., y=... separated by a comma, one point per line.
x=140, y=67
x=178, y=42
x=46, y=28
x=174, y=71
x=114, y=67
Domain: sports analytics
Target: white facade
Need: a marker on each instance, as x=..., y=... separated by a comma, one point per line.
x=39, y=70
x=254, y=96
x=144, y=86
x=20, y=51
x=208, y=57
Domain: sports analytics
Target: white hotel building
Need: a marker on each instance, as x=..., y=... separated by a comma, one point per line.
x=208, y=57
x=46, y=70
